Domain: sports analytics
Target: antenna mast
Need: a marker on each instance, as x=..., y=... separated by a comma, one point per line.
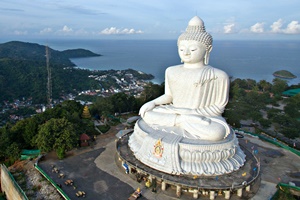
x=49, y=83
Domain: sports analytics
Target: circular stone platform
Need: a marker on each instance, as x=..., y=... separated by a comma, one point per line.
x=244, y=178
x=167, y=149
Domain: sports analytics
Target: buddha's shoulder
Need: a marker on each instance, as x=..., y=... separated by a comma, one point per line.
x=177, y=68
x=220, y=73
x=174, y=68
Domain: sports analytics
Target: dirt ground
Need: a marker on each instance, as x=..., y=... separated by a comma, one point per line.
x=32, y=182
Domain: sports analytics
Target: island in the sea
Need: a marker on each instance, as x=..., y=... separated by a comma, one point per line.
x=284, y=74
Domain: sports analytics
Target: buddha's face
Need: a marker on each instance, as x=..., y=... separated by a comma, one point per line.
x=191, y=51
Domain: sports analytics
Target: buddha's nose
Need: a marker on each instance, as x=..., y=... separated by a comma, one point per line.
x=187, y=52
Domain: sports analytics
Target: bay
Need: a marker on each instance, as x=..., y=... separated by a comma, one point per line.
x=256, y=60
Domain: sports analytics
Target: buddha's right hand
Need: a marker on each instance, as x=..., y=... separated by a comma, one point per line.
x=146, y=107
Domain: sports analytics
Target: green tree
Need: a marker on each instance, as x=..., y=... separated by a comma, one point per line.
x=24, y=131
x=255, y=88
x=132, y=104
x=17, y=132
x=265, y=123
x=291, y=132
x=232, y=118
x=13, y=151
x=45, y=137
x=282, y=119
x=236, y=92
x=31, y=130
x=119, y=102
x=152, y=91
x=279, y=86
x=264, y=86
x=5, y=140
x=56, y=134
x=241, y=83
x=61, y=152
x=255, y=100
x=292, y=107
x=102, y=107
x=272, y=112
x=250, y=84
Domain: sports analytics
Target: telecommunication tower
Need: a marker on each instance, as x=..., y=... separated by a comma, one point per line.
x=49, y=82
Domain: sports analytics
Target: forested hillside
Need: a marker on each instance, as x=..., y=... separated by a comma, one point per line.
x=16, y=50
x=23, y=72
x=79, y=53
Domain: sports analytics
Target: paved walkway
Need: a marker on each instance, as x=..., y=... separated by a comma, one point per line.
x=268, y=153
x=111, y=168
x=266, y=191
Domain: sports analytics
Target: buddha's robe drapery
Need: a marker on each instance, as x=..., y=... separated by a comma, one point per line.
x=203, y=92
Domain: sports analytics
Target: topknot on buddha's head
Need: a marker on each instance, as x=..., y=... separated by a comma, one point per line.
x=196, y=32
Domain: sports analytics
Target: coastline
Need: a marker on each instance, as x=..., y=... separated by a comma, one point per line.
x=283, y=77
x=239, y=59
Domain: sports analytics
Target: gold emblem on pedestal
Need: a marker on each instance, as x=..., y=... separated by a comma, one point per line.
x=158, y=148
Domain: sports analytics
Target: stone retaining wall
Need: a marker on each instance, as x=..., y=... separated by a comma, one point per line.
x=10, y=187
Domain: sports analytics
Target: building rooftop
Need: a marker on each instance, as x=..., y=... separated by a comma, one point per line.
x=291, y=92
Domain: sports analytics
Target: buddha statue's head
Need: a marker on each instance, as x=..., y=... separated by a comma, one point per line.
x=195, y=34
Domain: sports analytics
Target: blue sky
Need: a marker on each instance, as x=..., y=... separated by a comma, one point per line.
x=145, y=19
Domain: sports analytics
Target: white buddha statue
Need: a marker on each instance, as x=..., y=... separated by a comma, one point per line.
x=195, y=93
x=182, y=131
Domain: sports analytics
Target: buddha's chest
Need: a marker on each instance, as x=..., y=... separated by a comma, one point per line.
x=187, y=79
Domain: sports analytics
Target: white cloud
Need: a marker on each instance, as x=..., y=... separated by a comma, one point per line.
x=292, y=28
x=66, y=29
x=276, y=26
x=257, y=28
x=46, y=30
x=109, y=31
x=229, y=28
x=17, y=32
x=115, y=31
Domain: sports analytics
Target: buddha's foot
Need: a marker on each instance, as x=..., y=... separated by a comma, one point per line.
x=204, y=128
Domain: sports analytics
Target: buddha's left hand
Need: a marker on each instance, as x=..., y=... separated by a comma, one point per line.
x=184, y=111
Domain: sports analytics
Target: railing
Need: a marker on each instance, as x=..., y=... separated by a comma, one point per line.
x=144, y=171
x=286, y=188
x=63, y=194
x=271, y=140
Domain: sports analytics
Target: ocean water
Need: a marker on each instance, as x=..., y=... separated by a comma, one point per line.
x=239, y=59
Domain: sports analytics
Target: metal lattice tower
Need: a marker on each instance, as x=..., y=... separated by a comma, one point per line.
x=49, y=82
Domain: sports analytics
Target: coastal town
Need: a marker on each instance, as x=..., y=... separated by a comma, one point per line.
x=119, y=81
x=111, y=82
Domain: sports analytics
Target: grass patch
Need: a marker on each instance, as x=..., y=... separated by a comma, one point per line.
x=103, y=128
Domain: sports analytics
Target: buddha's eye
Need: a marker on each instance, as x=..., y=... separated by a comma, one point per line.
x=193, y=49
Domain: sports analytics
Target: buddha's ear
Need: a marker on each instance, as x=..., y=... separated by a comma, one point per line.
x=209, y=48
x=207, y=53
